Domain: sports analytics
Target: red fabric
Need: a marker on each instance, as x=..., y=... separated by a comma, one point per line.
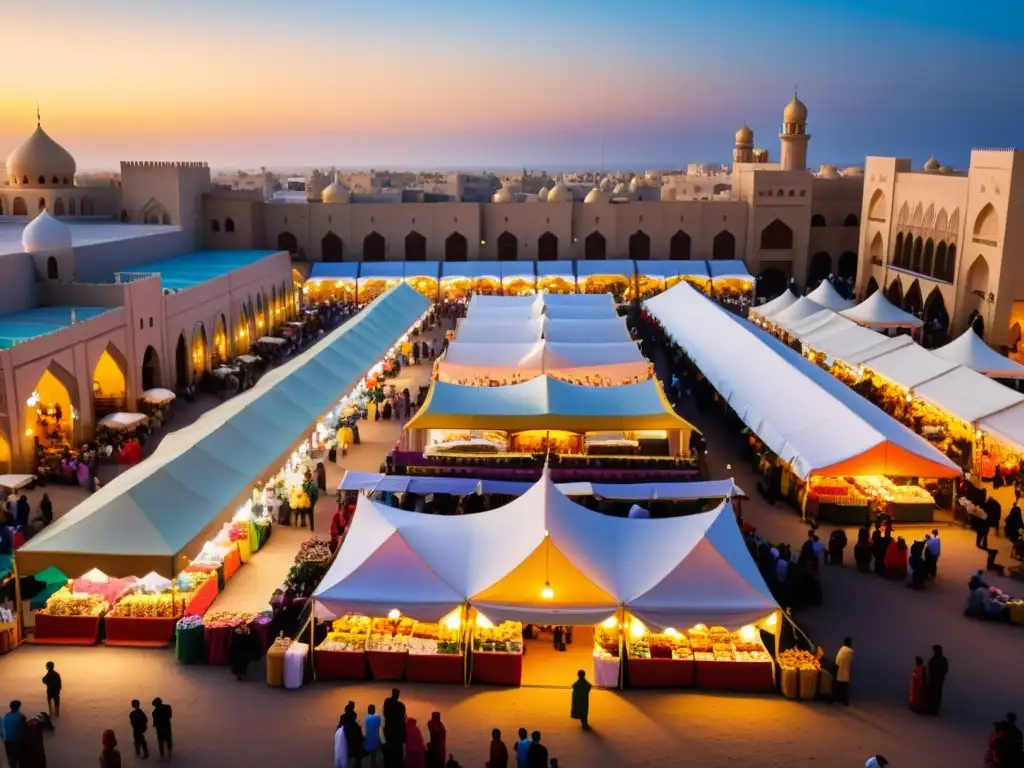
x=387, y=666
x=919, y=689
x=896, y=560
x=340, y=665
x=498, y=668
x=203, y=598
x=17, y=540
x=130, y=453
x=67, y=630
x=661, y=673
x=124, y=630
x=232, y=562
x=217, y=641
x=435, y=668
x=749, y=676
x=415, y=749
x=438, y=738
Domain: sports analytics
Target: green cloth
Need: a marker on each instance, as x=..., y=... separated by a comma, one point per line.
x=52, y=579
x=188, y=645
x=6, y=565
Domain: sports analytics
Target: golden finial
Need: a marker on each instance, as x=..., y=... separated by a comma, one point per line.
x=39, y=119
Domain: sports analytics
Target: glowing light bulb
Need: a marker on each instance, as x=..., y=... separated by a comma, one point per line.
x=772, y=620
x=748, y=633
x=671, y=631
x=394, y=614
x=547, y=592
x=636, y=629
x=610, y=623
x=454, y=621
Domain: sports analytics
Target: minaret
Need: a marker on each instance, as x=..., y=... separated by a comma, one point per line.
x=743, y=152
x=794, y=136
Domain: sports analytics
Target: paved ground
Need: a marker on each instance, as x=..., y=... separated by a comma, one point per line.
x=216, y=718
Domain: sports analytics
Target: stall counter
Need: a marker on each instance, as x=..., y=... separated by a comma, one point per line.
x=436, y=668
x=661, y=673
x=67, y=630
x=140, y=632
x=496, y=668
x=740, y=676
x=340, y=665
x=606, y=672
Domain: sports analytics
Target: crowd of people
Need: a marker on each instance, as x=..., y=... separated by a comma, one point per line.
x=18, y=523
x=880, y=552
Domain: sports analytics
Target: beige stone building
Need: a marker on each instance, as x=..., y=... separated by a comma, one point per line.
x=782, y=220
x=941, y=243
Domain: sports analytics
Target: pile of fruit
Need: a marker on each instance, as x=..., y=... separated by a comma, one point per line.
x=390, y=635
x=700, y=640
x=219, y=619
x=797, y=659
x=348, y=633
x=143, y=606
x=63, y=602
x=434, y=639
x=670, y=646
x=504, y=638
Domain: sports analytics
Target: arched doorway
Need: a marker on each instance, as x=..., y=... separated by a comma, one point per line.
x=286, y=241
x=374, y=247
x=723, y=246
x=819, y=269
x=894, y=293
x=950, y=271
x=917, y=253
x=936, y=321
x=221, y=345
x=52, y=270
x=913, y=302
x=109, y=383
x=261, y=313
x=640, y=246
x=18, y=207
x=977, y=291
x=508, y=247
x=817, y=220
x=939, y=265
x=929, y=254
x=181, y=362
x=771, y=283
x=242, y=331
x=151, y=369
x=547, y=247
x=897, y=249
x=594, y=247
x=872, y=287
x=331, y=248
x=848, y=265
x=51, y=413
x=976, y=323
x=58, y=207
x=200, y=351
x=415, y=247
x=776, y=237
x=456, y=247
x=906, y=258
x=679, y=246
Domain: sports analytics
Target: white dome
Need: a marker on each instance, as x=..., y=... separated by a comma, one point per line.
x=621, y=190
x=560, y=193
x=638, y=182
x=596, y=195
x=40, y=157
x=668, y=194
x=607, y=184
x=543, y=194
x=932, y=165
x=336, y=192
x=827, y=171
x=44, y=234
x=503, y=195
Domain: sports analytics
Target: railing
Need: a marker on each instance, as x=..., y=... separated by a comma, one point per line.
x=131, y=277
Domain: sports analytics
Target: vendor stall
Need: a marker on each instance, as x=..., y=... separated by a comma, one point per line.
x=376, y=277
x=555, y=277
x=465, y=278
x=342, y=654
x=387, y=647
x=73, y=613
x=857, y=500
x=616, y=277
x=424, y=276
x=497, y=656
x=147, y=613
x=331, y=281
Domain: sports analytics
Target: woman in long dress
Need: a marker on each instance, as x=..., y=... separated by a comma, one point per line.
x=919, y=687
x=415, y=748
x=340, y=745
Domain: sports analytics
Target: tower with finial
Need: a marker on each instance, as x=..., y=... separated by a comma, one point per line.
x=743, y=151
x=794, y=136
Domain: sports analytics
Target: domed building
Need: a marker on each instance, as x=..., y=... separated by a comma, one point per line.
x=45, y=234
x=932, y=165
x=503, y=195
x=596, y=195
x=560, y=193
x=40, y=162
x=335, y=192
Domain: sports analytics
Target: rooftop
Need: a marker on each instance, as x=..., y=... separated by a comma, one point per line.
x=191, y=269
x=82, y=232
x=32, y=323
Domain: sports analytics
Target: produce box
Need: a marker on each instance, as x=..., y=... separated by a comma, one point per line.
x=188, y=644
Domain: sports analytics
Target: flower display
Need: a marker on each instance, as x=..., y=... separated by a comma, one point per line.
x=314, y=551
x=145, y=606
x=190, y=622
x=507, y=637
x=217, y=619
x=63, y=602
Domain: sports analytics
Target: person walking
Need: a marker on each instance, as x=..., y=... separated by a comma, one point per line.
x=938, y=668
x=499, y=752
x=162, y=725
x=581, y=700
x=139, y=723
x=53, y=685
x=12, y=731
x=844, y=662
x=110, y=756
x=371, y=741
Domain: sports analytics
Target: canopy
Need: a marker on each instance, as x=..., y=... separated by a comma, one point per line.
x=967, y=394
x=619, y=361
x=502, y=301
x=612, y=267
x=825, y=295
x=122, y=421
x=587, y=331
x=810, y=419
x=877, y=312
x=494, y=312
x=334, y=270
x=801, y=309
x=584, y=312
x=779, y=303
x=578, y=299
x=16, y=482
x=1007, y=424
x=158, y=395
x=381, y=270
x=734, y=269
x=910, y=365
x=422, y=269
x=547, y=403
x=167, y=506
x=486, y=331
x=472, y=269
x=555, y=268
x=674, y=571
x=971, y=351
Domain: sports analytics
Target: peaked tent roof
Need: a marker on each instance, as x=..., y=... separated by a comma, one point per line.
x=806, y=416
x=498, y=361
x=583, y=312
x=161, y=506
x=471, y=269
x=578, y=299
x=971, y=351
x=502, y=301
x=587, y=331
x=828, y=297
x=337, y=270
x=876, y=311
x=910, y=366
x=547, y=403
x=779, y=303
x=381, y=270
x=611, y=267
x=968, y=395
x=486, y=331
x=721, y=269
x=801, y=309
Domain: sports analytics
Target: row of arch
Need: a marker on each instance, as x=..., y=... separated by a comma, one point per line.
x=850, y=220
x=229, y=225
x=41, y=181
x=456, y=246
x=19, y=207
x=923, y=257
x=986, y=229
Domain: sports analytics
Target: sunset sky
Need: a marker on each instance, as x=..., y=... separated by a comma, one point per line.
x=446, y=83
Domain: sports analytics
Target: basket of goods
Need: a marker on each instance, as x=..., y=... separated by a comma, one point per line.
x=390, y=635
x=141, y=605
x=700, y=640
x=507, y=637
x=223, y=619
x=65, y=603
x=636, y=649
x=349, y=633
x=433, y=639
x=799, y=674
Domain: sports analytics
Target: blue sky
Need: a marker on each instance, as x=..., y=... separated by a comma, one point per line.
x=547, y=84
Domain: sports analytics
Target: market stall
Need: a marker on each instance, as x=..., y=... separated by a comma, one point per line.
x=731, y=282
x=342, y=654
x=497, y=652
x=466, y=278
x=425, y=277
x=776, y=305
x=876, y=311
x=377, y=277
x=610, y=331
x=693, y=272
x=73, y=614
x=10, y=595
x=591, y=364
x=146, y=614
x=970, y=351
x=826, y=295
x=331, y=281
x=496, y=332
x=616, y=277
x=157, y=403
x=555, y=277
x=518, y=278
x=857, y=500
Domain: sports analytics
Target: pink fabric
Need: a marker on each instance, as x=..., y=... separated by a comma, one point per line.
x=110, y=591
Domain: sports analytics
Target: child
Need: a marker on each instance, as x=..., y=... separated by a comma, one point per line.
x=53, y=685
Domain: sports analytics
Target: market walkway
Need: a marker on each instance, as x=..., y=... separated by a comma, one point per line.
x=251, y=588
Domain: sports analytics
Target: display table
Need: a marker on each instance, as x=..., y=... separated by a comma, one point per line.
x=748, y=676
x=385, y=665
x=913, y=512
x=498, y=668
x=606, y=672
x=661, y=673
x=203, y=598
x=840, y=514
x=188, y=645
x=217, y=641
x=9, y=636
x=295, y=665
x=244, y=550
x=275, y=665
x=436, y=668
x=340, y=665
x=67, y=630
x=140, y=632
x=232, y=562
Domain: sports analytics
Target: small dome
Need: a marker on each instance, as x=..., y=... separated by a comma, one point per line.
x=335, y=192
x=744, y=136
x=795, y=111
x=932, y=165
x=596, y=196
x=827, y=171
x=638, y=182
x=503, y=195
x=607, y=184
x=560, y=193
x=40, y=157
x=945, y=169
x=44, y=234
x=621, y=190
x=668, y=194
x=543, y=194
x=851, y=171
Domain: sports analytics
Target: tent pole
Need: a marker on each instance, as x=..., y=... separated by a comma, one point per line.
x=465, y=645
x=312, y=625
x=622, y=650
x=17, y=600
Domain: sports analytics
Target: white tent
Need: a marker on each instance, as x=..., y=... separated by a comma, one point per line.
x=779, y=303
x=801, y=309
x=503, y=301
x=121, y=422
x=494, y=312
x=465, y=360
x=485, y=331
x=971, y=351
x=587, y=331
x=826, y=296
x=910, y=366
x=578, y=299
x=877, y=312
x=670, y=572
x=1007, y=424
x=967, y=394
x=582, y=312
x=807, y=417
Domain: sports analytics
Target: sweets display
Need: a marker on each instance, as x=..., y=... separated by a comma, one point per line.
x=63, y=602
x=434, y=639
x=349, y=633
x=216, y=619
x=661, y=645
x=146, y=606
x=799, y=660
x=390, y=635
x=859, y=491
x=504, y=638
x=700, y=644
